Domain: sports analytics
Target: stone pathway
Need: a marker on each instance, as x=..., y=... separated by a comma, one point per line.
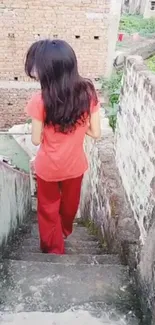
x=86, y=284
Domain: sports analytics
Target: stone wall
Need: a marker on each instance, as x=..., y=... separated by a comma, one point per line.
x=118, y=194
x=83, y=23
x=15, y=201
x=87, y=25
x=103, y=200
x=135, y=158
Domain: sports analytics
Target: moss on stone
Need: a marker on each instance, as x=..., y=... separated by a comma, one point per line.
x=94, y=231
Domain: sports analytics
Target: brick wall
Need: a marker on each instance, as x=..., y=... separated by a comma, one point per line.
x=135, y=158
x=86, y=24
x=13, y=98
x=83, y=23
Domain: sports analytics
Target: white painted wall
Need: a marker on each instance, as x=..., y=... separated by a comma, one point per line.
x=15, y=200
x=114, y=19
x=146, y=9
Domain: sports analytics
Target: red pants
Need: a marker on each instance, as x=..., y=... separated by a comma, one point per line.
x=57, y=207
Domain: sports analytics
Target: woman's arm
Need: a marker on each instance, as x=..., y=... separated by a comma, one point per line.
x=37, y=127
x=94, y=129
x=35, y=111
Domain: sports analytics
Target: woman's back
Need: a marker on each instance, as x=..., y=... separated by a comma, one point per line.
x=61, y=155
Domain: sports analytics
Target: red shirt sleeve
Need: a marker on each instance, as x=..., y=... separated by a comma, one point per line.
x=35, y=108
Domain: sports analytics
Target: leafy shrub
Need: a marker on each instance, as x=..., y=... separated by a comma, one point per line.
x=113, y=84
x=112, y=115
x=29, y=121
x=151, y=63
x=112, y=87
x=137, y=24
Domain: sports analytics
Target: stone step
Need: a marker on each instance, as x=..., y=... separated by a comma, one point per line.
x=95, y=314
x=68, y=250
x=79, y=259
x=32, y=286
x=68, y=243
x=79, y=233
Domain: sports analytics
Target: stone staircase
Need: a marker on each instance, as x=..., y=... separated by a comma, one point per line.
x=86, y=278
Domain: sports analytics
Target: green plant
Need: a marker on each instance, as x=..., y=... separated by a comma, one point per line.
x=113, y=84
x=29, y=121
x=94, y=231
x=112, y=115
x=114, y=97
x=137, y=24
x=112, y=87
x=151, y=63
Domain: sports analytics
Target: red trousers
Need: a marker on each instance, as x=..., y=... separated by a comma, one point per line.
x=57, y=207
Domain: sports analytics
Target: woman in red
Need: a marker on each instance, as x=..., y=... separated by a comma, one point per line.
x=63, y=112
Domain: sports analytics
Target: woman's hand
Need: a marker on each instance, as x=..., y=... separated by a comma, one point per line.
x=94, y=130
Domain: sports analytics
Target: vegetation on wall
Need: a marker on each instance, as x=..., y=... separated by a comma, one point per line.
x=137, y=24
x=151, y=63
x=129, y=24
x=29, y=121
x=112, y=88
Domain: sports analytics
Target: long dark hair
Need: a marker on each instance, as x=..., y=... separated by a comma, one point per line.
x=66, y=95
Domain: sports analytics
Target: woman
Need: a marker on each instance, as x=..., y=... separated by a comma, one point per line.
x=63, y=112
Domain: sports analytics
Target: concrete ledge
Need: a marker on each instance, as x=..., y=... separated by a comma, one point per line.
x=15, y=201
x=32, y=85
x=18, y=85
x=145, y=49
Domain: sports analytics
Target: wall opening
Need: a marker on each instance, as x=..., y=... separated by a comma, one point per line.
x=11, y=35
x=152, y=5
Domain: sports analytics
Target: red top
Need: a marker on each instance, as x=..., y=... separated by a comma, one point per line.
x=60, y=156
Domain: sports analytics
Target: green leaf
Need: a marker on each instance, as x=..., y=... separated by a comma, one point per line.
x=29, y=121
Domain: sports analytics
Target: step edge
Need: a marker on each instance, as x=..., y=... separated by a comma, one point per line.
x=123, y=267
x=92, y=255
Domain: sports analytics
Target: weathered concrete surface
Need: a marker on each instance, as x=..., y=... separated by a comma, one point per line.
x=98, y=283
x=86, y=277
x=10, y=148
x=81, y=248
x=15, y=200
x=143, y=47
x=69, y=259
x=103, y=199
x=135, y=150
x=24, y=140
x=34, y=286
x=82, y=316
